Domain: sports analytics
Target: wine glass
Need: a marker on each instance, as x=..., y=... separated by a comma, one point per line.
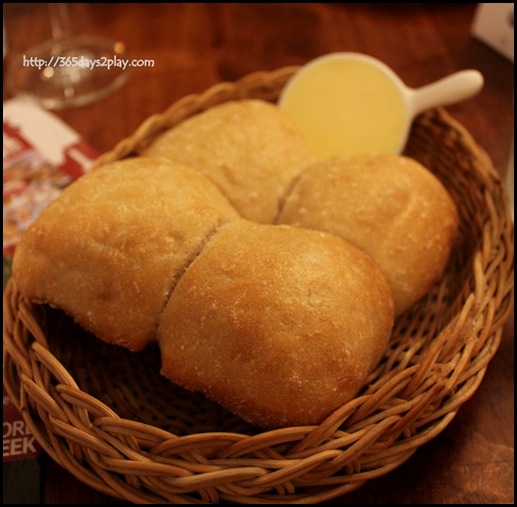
x=68, y=71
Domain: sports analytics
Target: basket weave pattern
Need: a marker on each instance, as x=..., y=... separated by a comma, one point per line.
x=107, y=416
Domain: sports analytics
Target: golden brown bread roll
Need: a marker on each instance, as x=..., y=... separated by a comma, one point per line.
x=280, y=325
x=248, y=148
x=390, y=206
x=109, y=250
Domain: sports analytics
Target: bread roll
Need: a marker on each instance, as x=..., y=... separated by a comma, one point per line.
x=390, y=206
x=248, y=148
x=110, y=249
x=278, y=324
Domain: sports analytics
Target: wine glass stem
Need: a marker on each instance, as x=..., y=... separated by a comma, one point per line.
x=60, y=22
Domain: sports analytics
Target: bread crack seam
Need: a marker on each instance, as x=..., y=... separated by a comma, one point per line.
x=289, y=190
x=176, y=279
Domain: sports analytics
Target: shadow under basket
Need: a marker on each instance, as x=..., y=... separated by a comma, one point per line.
x=107, y=415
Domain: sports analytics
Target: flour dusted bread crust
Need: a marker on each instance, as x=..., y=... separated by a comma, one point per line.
x=109, y=250
x=280, y=325
x=390, y=206
x=248, y=148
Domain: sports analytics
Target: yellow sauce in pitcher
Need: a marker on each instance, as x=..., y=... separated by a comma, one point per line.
x=346, y=106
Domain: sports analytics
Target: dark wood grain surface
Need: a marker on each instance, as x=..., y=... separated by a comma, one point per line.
x=195, y=46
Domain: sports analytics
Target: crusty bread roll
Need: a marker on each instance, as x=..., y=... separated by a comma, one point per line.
x=280, y=325
x=109, y=250
x=248, y=148
x=388, y=205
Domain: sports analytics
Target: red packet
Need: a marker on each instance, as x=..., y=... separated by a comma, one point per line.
x=41, y=156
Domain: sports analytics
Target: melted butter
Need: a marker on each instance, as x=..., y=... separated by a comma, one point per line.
x=347, y=107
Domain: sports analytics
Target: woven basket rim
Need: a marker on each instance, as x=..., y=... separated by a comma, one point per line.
x=405, y=406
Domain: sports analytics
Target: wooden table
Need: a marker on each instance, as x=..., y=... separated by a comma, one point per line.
x=195, y=46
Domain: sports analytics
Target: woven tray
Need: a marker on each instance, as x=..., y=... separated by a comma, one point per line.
x=106, y=415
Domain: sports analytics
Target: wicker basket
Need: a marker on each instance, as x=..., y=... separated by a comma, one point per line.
x=106, y=415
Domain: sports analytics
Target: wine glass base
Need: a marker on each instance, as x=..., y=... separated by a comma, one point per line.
x=72, y=73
